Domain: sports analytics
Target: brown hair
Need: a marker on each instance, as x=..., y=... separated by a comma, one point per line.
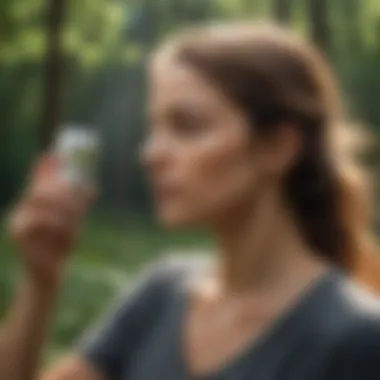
x=274, y=77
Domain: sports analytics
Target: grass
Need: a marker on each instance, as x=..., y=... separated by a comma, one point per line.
x=108, y=258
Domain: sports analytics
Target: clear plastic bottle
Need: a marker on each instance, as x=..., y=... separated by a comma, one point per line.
x=78, y=148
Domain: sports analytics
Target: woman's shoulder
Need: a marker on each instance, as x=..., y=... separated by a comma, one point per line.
x=355, y=325
x=174, y=272
x=357, y=303
x=156, y=284
x=109, y=347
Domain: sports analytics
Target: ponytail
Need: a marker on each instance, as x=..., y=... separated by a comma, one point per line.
x=355, y=211
x=331, y=202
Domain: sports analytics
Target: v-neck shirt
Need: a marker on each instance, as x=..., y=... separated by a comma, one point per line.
x=331, y=332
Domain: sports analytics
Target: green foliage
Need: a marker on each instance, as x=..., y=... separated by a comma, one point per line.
x=106, y=44
x=104, y=265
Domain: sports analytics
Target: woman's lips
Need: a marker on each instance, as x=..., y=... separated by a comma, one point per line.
x=165, y=193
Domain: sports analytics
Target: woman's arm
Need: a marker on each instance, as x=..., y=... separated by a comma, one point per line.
x=44, y=226
x=22, y=338
x=23, y=332
x=73, y=368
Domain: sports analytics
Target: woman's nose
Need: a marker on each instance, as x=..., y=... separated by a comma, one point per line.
x=154, y=152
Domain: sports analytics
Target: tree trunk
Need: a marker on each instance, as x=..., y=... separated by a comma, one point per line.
x=282, y=10
x=319, y=24
x=351, y=10
x=53, y=73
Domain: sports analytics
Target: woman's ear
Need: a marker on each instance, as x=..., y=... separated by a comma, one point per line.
x=283, y=148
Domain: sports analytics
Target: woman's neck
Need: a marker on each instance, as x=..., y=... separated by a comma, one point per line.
x=262, y=248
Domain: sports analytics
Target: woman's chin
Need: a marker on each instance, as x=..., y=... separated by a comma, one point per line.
x=176, y=220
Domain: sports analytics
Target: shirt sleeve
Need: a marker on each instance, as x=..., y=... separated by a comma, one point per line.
x=109, y=347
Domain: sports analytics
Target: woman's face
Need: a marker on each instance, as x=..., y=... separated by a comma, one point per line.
x=202, y=160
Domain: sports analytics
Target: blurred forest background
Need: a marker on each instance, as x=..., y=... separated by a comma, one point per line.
x=105, y=45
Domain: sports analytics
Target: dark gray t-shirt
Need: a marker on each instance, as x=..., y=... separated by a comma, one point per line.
x=332, y=333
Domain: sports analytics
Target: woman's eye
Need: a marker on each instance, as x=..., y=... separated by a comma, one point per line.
x=188, y=125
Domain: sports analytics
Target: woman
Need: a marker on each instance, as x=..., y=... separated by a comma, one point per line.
x=242, y=140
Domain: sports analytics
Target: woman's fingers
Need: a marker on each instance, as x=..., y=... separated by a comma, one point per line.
x=47, y=166
x=47, y=221
x=58, y=197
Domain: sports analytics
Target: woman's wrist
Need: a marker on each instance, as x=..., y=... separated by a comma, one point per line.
x=40, y=290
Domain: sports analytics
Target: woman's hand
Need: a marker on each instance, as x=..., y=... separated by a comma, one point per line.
x=46, y=222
